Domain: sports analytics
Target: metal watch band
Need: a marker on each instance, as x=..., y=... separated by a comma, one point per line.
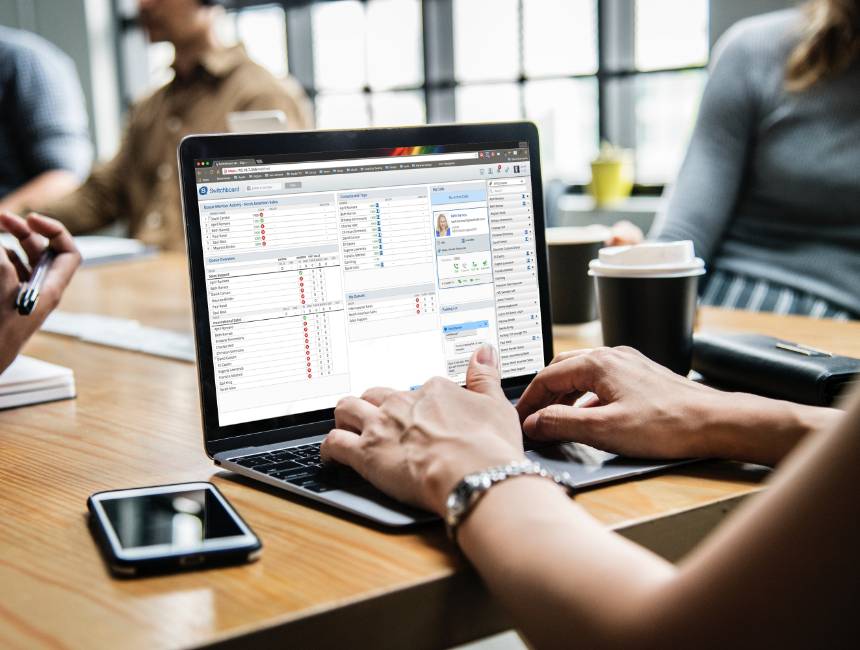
x=466, y=494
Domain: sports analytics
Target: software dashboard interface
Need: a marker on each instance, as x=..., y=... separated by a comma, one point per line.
x=327, y=277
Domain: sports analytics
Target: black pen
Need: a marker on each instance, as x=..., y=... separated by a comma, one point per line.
x=28, y=294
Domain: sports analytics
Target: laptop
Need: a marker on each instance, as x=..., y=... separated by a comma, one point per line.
x=325, y=263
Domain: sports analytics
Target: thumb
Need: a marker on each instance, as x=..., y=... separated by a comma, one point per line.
x=482, y=376
x=560, y=422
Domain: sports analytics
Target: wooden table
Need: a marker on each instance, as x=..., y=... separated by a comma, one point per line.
x=323, y=580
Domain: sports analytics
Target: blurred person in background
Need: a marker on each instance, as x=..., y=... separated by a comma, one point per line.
x=140, y=184
x=769, y=191
x=45, y=148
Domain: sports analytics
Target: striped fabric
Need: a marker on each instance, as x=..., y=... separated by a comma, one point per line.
x=733, y=291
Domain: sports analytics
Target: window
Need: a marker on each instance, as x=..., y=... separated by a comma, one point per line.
x=368, y=63
x=263, y=32
x=628, y=71
x=670, y=34
x=536, y=56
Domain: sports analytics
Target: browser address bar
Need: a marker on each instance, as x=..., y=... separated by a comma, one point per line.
x=257, y=169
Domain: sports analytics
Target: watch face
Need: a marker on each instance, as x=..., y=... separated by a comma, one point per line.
x=458, y=499
x=453, y=509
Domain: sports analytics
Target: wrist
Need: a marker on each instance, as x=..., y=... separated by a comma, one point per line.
x=444, y=475
x=472, y=489
x=520, y=503
x=745, y=427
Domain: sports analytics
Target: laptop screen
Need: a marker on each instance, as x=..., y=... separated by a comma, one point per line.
x=329, y=276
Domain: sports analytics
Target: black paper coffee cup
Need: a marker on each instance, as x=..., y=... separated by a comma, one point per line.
x=646, y=298
x=571, y=291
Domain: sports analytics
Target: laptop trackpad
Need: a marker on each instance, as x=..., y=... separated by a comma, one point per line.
x=589, y=466
x=367, y=501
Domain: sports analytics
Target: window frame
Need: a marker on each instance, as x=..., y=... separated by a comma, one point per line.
x=615, y=25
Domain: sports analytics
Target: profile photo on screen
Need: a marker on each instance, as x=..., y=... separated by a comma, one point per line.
x=442, y=227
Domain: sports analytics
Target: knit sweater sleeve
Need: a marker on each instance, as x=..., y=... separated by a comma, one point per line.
x=702, y=202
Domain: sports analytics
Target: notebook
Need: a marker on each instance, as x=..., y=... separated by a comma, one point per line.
x=31, y=381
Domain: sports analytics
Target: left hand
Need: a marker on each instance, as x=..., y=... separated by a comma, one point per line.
x=416, y=445
x=34, y=234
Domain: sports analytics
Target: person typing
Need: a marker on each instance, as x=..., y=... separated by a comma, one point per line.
x=562, y=574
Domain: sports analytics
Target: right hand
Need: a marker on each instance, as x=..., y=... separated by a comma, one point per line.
x=639, y=408
x=417, y=445
x=34, y=234
x=625, y=233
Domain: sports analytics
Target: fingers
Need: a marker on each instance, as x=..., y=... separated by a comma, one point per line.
x=32, y=242
x=9, y=279
x=561, y=356
x=17, y=262
x=569, y=423
x=574, y=375
x=58, y=236
x=344, y=447
x=354, y=414
x=35, y=234
x=482, y=375
x=624, y=233
x=377, y=395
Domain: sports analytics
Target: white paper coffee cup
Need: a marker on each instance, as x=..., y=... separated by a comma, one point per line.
x=650, y=260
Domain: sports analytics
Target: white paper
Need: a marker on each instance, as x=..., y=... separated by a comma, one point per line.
x=122, y=333
x=96, y=249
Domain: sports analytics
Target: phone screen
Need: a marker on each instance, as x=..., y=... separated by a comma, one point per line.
x=181, y=520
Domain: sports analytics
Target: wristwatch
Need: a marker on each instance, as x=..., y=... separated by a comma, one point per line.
x=473, y=487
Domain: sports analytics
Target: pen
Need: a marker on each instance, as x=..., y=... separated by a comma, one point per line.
x=28, y=295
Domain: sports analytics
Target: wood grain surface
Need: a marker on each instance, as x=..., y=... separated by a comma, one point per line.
x=323, y=579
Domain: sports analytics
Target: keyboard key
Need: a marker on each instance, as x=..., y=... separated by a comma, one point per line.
x=295, y=475
x=278, y=467
x=252, y=461
x=284, y=454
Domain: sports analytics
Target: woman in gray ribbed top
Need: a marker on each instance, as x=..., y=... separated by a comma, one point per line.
x=770, y=189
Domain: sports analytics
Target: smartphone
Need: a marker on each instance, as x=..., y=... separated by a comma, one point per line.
x=169, y=528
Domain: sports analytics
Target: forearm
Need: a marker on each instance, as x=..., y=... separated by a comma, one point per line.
x=740, y=426
x=45, y=187
x=91, y=206
x=562, y=575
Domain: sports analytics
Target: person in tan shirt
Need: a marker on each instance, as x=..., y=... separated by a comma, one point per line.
x=141, y=183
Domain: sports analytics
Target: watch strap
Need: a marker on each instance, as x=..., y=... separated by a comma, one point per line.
x=469, y=491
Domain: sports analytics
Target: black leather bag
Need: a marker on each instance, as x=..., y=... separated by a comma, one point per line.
x=764, y=365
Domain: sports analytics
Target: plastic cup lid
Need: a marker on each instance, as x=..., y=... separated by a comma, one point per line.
x=577, y=234
x=650, y=260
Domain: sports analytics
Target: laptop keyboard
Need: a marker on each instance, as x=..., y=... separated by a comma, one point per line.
x=301, y=466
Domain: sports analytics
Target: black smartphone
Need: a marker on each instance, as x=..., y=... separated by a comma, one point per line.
x=168, y=528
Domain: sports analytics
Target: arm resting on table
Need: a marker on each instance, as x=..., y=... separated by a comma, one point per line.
x=783, y=571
